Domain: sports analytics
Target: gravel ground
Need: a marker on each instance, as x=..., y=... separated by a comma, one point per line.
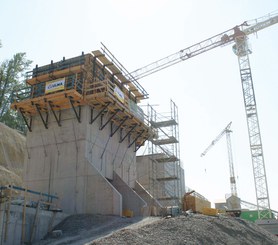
x=181, y=230
x=83, y=228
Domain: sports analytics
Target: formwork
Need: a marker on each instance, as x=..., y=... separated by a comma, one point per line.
x=84, y=126
x=90, y=79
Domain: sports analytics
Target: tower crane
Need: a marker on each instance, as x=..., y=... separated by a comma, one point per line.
x=226, y=131
x=237, y=35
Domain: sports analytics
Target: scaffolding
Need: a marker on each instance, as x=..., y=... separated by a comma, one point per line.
x=96, y=79
x=165, y=169
x=11, y=195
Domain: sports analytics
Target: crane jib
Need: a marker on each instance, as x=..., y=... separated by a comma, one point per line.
x=222, y=39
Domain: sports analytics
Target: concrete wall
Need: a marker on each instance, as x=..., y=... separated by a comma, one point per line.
x=143, y=166
x=74, y=160
x=146, y=196
x=131, y=200
x=13, y=234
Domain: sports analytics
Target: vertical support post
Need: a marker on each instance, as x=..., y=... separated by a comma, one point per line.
x=8, y=215
x=23, y=219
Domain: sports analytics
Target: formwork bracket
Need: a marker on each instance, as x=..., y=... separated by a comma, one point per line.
x=136, y=138
x=108, y=120
x=138, y=146
x=118, y=127
x=100, y=113
x=128, y=133
x=28, y=124
x=44, y=120
x=57, y=117
x=77, y=113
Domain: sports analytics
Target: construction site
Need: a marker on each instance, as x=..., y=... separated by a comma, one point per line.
x=83, y=158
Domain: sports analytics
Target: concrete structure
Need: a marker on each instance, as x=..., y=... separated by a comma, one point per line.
x=76, y=161
x=84, y=129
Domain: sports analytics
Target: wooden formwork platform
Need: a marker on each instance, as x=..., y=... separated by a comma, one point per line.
x=59, y=100
x=102, y=93
x=111, y=94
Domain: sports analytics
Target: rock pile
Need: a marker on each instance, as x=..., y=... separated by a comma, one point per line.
x=181, y=230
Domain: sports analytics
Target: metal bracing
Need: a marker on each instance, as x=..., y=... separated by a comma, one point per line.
x=40, y=110
x=255, y=141
x=28, y=120
x=76, y=112
x=57, y=117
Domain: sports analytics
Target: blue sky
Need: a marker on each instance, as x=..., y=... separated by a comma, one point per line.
x=206, y=88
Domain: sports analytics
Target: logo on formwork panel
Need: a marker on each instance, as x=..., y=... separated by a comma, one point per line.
x=119, y=94
x=55, y=85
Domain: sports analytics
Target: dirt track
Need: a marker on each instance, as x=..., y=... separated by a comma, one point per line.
x=196, y=229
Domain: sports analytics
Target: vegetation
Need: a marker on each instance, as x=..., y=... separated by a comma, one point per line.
x=11, y=79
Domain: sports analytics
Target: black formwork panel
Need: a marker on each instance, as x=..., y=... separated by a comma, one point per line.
x=57, y=66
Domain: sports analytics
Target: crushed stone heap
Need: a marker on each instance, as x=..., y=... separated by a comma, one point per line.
x=182, y=230
x=198, y=229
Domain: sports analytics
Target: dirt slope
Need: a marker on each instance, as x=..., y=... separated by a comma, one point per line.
x=12, y=154
x=196, y=229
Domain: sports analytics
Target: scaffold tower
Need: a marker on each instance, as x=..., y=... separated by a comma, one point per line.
x=165, y=170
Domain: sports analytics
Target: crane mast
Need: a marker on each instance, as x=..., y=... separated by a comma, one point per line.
x=256, y=147
x=226, y=131
x=237, y=35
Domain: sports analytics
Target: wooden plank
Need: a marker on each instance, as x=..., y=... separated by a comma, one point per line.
x=58, y=99
x=97, y=53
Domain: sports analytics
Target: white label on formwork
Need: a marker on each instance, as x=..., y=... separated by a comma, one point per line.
x=55, y=85
x=119, y=94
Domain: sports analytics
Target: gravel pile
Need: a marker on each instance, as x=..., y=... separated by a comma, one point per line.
x=83, y=228
x=195, y=229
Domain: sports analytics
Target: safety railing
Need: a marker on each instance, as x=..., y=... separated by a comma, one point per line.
x=104, y=88
x=74, y=81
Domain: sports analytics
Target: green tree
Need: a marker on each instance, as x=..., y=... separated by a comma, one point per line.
x=11, y=79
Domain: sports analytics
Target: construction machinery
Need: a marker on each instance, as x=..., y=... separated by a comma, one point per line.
x=232, y=201
x=226, y=131
x=238, y=36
